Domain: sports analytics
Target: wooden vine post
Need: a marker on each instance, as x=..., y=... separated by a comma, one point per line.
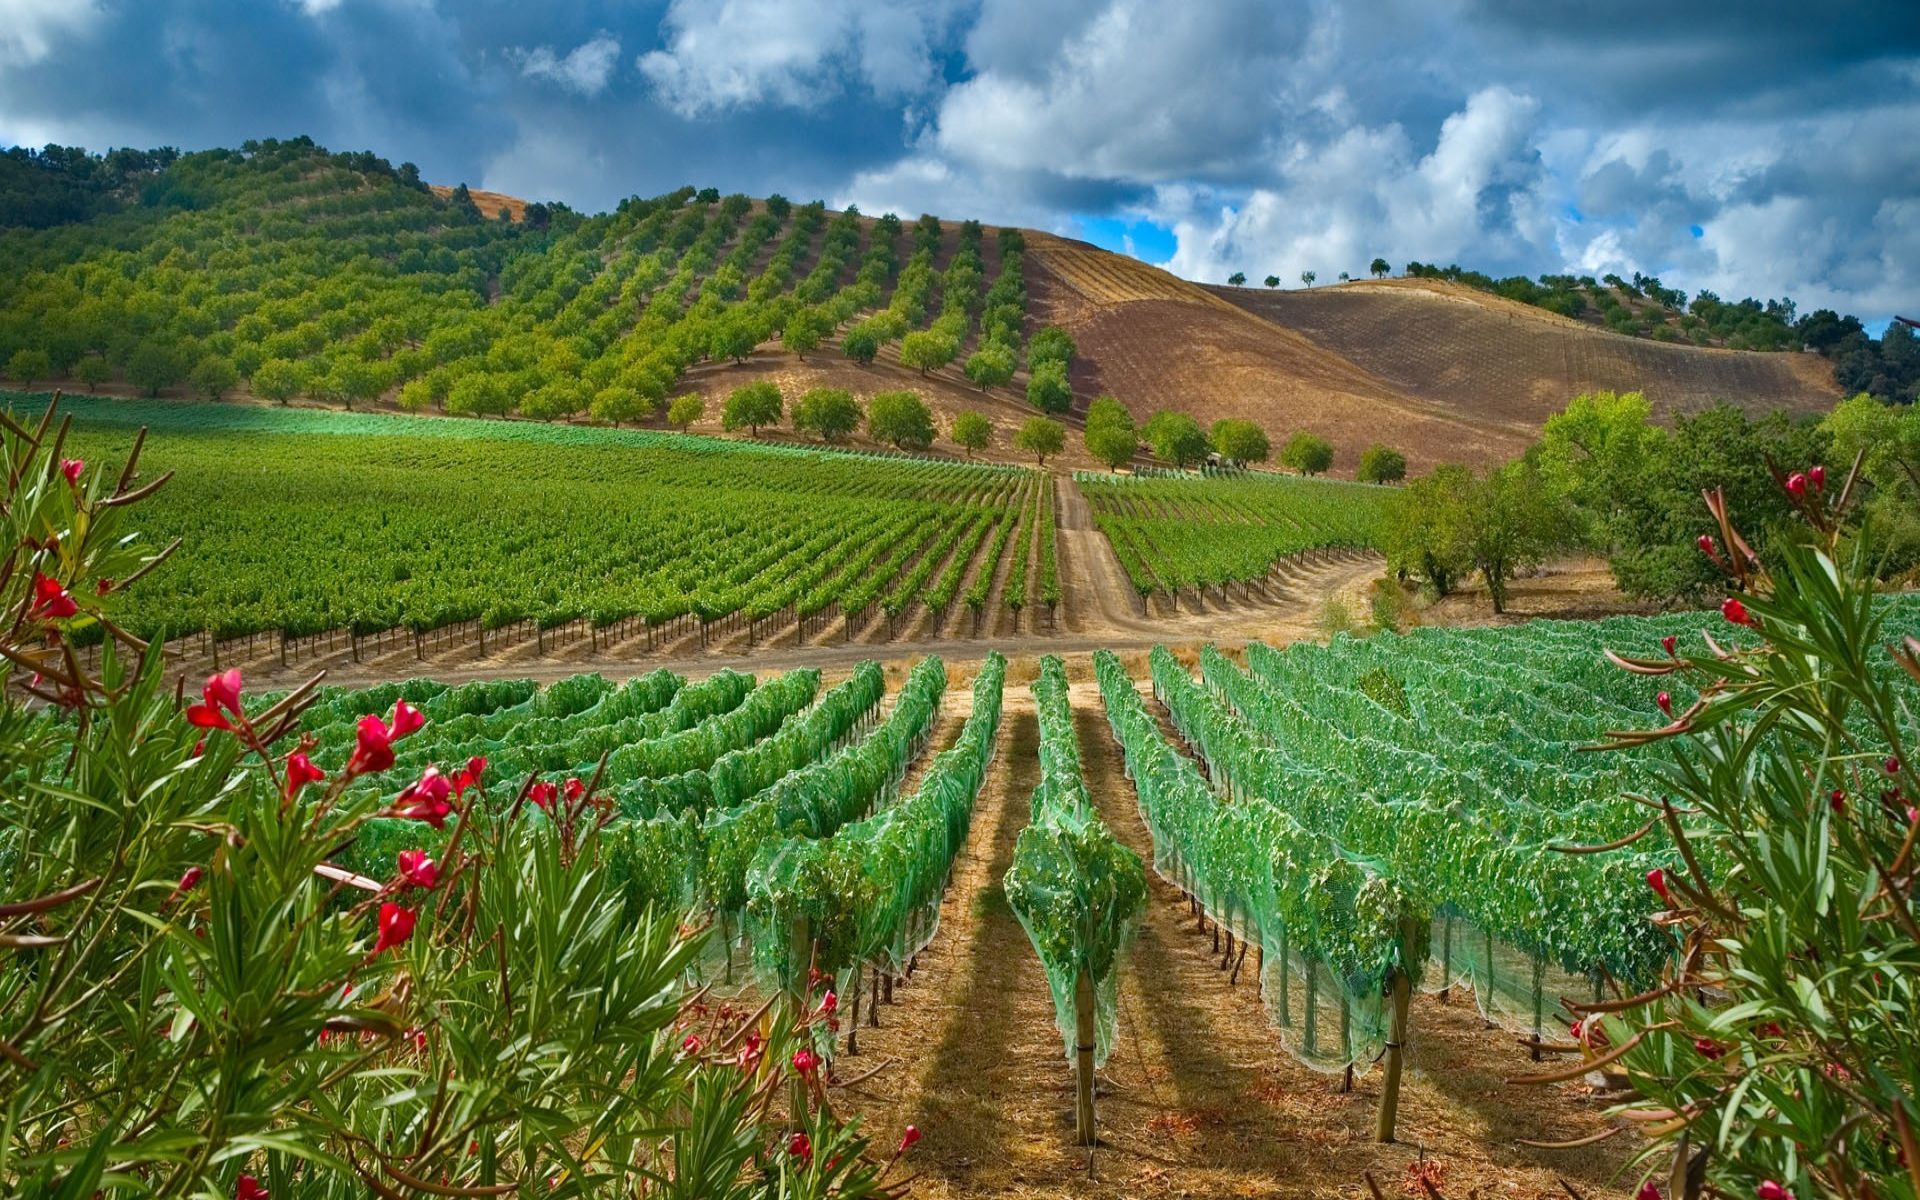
x=1399, y=994
x=1083, y=1043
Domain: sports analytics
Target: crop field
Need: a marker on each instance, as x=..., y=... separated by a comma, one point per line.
x=300, y=523
x=1173, y=533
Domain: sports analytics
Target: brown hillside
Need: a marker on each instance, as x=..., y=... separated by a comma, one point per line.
x=1509, y=362
x=489, y=203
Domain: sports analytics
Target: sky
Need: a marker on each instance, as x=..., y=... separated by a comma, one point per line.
x=1757, y=148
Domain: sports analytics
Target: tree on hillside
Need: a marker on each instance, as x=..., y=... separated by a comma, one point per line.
x=153, y=366
x=1272, y=281
x=924, y=350
x=1237, y=279
x=735, y=335
x=1240, y=441
x=477, y=394
x=213, y=376
x=352, y=380
x=805, y=330
x=1514, y=522
x=1052, y=344
x=1888, y=435
x=1595, y=453
x=27, y=365
x=832, y=413
x=617, y=402
x=1111, y=436
x=751, y=405
x=1048, y=389
x=685, y=410
x=972, y=431
x=560, y=398
x=901, y=419
x=278, y=380
x=1379, y=267
x=1381, y=464
x=1307, y=277
x=990, y=366
x=861, y=344
x=1176, y=438
x=1307, y=453
x=1040, y=437
x=93, y=370
x=1426, y=533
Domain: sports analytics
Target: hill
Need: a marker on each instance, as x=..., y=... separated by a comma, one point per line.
x=289, y=274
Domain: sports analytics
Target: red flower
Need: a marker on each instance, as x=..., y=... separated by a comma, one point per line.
x=543, y=793
x=801, y=1147
x=1838, y=799
x=574, y=788
x=750, y=1051
x=1667, y=643
x=406, y=719
x=1657, y=880
x=427, y=799
x=1708, y=1048
x=373, y=747
x=73, y=468
x=416, y=869
x=50, y=599
x=1797, y=484
x=418, y=1037
x=829, y=1002
x=1647, y=1192
x=249, y=1188
x=1665, y=702
x=805, y=1061
x=395, y=926
x=221, y=691
x=102, y=586
x=1892, y=766
x=475, y=768
x=1708, y=547
x=692, y=1046
x=301, y=772
x=908, y=1138
x=1770, y=1190
x=1736, y=612
x=190, y=879
x=1818, y=475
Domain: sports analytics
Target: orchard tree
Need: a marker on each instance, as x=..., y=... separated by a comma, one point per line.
x=477, y=394
x=1427, y=531
x=558, y=398
x=1111, y=436
x=990, y=366
x=751, y=405
x=213, y=376
x=1052, y=344
x=1040, y=437
x=685, y=410
x=278, y=380
x=861, y=344
x=352, y=379
x=416, y=395
x=972, y=431
x=1307, y=453
x=901, y=419
x=832, y=413
x=28, y=365
x=1272, y=281
x=1048, y=389
x=1240, y=441
x=1176, y=438
x=617, y=402
x=1380, y=267
x=735, y=335
x=93, y=370
x=153, y=366
x=1514, y=522
x=1237, y=279
x=924, y=350
x=805, y=330
x=1381, y=464
x=1307, y=277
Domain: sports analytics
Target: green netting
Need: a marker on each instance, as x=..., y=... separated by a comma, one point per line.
x=1077, y=891
x=871, y=892
x=1513, y=988
x=1333, y=930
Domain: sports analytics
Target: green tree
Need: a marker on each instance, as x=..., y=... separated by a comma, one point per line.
x=1307, y=453
x=1886, y=440
x=1426, y=531
x=1047, y=387
x=734, y=335
x=805, y=330
x=213, y=377
x=1237, y=279
x=990, y=366
x=901, y=419
x=1040, y=437
x=1379, y=267
x=1514, y=522
x=153, y=366
x=617, y=403
x=1240, y=441
x=1596, y=453
x=1051, y=344
x=93, y=370
x=477, y=394
x=972, y=431
x=751, y=406
x=861, y=344
x=1111, y=435
x=832, y=413
x=1272, y=281
x=1307, y=277
x=1176, y=438
x=1381, y=464
x=27, y=365
x=925, y=350
x=685, y=410
x=352, y=380
x=416, y=395
x=278, y=380
x=557, y=399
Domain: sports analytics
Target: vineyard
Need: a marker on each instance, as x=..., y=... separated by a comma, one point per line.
x=600, y=534
x=1174, y=534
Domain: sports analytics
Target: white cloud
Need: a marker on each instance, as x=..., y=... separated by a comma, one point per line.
x=29, y=29
x=315, y=8
x=585, y=69
x=791, y=53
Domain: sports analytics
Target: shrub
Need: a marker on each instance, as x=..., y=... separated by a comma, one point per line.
x=1307, y=454
x=1381, y=464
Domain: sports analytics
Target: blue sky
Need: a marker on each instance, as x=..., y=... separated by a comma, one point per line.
x=1756, y=148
